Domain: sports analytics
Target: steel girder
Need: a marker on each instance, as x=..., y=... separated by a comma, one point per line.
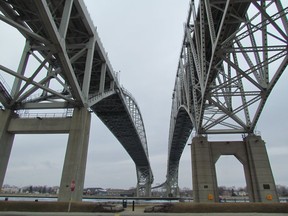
x=64, y=65
x=232, y=55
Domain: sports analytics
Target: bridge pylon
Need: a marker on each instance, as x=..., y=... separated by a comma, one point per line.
x=76, y=156
x=251, y=152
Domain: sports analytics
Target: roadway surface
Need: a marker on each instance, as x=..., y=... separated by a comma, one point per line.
x=138, y=211
x=128, y=213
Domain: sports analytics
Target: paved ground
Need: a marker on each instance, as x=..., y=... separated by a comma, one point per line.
x=137, y=213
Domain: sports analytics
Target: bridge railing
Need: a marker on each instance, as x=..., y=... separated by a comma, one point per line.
x=67, y=113
x=136, y=117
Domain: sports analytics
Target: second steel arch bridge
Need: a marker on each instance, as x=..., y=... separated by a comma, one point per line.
x=232, y=55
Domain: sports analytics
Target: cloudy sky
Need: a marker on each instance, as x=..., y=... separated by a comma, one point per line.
x=143, y=41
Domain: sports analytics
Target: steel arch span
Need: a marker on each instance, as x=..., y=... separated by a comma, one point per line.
x=232, y=55
x=65, y=66
x=181, y=126
x=126, y=123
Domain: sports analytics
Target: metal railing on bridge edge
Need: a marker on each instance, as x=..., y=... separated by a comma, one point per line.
x=134, y=110
x=67, y=113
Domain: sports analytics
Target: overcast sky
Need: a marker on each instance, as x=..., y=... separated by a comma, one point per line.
x=143, y=40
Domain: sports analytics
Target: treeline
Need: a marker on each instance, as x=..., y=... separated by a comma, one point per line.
x=40, y=189
x=282, y=190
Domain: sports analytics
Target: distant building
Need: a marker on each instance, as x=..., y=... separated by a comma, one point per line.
x=241, y=193
x=95, y=191
x=7, y=189
x=121, y=192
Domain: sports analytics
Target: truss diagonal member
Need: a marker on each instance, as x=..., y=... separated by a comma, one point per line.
x=24, y=30
x=210, y=22
x=196, y=94
x=246, y=73
x=257, y=74
x=284, y=18
x=227, y=114
x=56, y=39
x=262, y=71
x=13, y=73
x=271, y=21
x=272, y=83
x=232, y=115
x=227, y=89
x=65, y=18
x=242, y=73
x=193, y=58
x=241, y=33
x=18, y=94
x=228, y=125
x=216, y=45
x=243, y=95
x=88, y=68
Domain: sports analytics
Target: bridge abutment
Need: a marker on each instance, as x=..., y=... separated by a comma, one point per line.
x=76, y=156
x=251, y=152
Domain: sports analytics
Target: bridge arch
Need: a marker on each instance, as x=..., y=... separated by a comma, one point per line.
x=126, y=123
x=180, y=131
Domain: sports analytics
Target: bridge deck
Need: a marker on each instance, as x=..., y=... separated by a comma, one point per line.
x=115, y=116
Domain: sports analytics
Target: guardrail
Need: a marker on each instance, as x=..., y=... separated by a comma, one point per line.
x=65, y=114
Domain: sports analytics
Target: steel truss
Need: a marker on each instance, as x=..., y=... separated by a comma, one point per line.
x=63, y=66
x=232, y=56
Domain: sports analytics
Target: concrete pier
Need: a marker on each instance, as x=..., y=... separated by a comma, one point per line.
x=251, y=152
x=78, y=128
x=6, y=142
x=258, y=173
x=203, y=171
x=76, y=156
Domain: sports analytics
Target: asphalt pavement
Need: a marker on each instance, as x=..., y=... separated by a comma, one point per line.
x=137, y=213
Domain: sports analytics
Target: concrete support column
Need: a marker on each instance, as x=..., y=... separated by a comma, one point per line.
x=251, y=152
x=203, y=171
x=259, y=177
x=76, y=156
x=6, y=142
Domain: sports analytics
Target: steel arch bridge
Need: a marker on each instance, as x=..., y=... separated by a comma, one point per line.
x=232, y=55
x=64, y=66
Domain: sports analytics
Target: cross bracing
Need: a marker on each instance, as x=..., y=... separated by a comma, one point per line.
x=63, y=66
x=232, y=55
